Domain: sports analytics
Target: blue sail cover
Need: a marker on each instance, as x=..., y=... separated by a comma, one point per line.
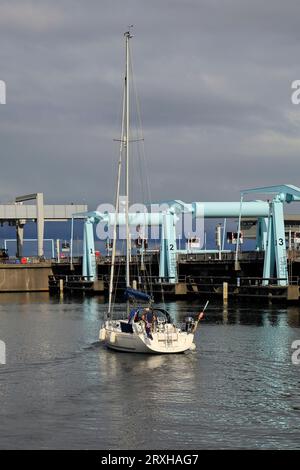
x=136, y=294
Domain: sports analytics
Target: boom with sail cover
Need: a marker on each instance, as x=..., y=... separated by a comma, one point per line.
x=133, y=294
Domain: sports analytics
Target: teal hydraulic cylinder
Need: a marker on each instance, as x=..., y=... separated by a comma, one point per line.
x=168, y=249
x=89, y=267
x=279, y=242
x=261, y=233
x=230, y=209
x=275, y=263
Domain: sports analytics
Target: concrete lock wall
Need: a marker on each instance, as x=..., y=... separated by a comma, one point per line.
x=24, y=278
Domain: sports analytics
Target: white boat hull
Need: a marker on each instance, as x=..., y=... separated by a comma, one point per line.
x=170, y=341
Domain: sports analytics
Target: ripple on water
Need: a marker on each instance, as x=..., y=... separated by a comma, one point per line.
x=62, y=389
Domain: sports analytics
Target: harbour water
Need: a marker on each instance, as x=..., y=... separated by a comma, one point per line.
x=61, y=389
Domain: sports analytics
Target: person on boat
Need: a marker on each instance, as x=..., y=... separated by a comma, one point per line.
x=149, y=318
x=132, y=315
x=136, y=318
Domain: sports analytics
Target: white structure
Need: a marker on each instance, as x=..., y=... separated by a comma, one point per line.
x=18, y=214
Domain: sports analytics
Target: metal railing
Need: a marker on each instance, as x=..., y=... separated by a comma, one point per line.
x=220, y=256
x=74, y=278
x=24, y=260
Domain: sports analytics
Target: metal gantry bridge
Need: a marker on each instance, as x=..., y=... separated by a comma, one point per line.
x=270, y=235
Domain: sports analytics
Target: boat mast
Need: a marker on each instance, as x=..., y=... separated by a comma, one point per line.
x=127, y=37
x=117, y=209
x=123, y=143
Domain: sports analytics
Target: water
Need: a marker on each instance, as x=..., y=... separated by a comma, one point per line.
x=61, y=389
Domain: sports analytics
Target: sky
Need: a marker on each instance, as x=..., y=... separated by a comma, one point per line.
x=214, y=85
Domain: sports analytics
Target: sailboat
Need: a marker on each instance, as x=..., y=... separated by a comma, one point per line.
x=146, y=329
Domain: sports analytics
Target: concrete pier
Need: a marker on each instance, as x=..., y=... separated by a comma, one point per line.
x=25, y=278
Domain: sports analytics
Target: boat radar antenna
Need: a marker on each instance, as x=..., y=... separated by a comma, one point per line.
x=128, y=32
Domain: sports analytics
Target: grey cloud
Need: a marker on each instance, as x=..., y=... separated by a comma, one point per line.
x=213, y=79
